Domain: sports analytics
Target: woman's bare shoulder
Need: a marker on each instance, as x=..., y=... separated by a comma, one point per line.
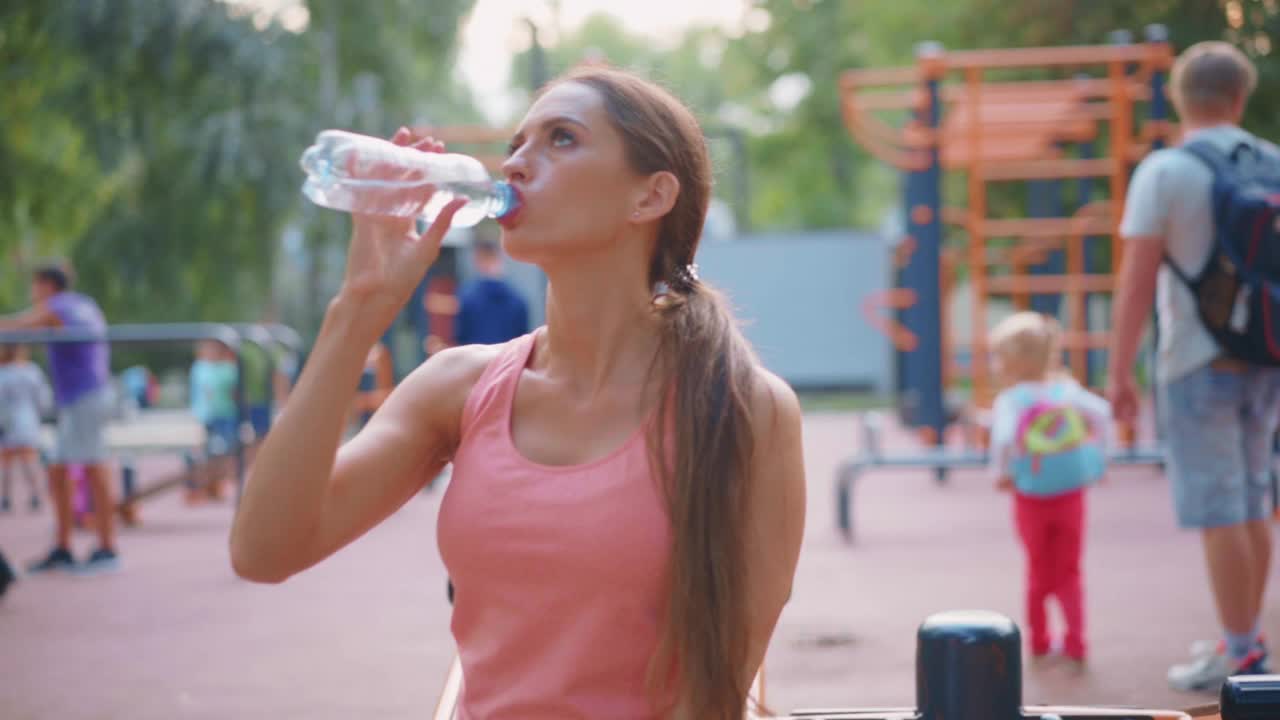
x=429, y=402
x=772, y=401
x=454, y=369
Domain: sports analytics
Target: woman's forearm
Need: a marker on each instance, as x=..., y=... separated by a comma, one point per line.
x=284, y=497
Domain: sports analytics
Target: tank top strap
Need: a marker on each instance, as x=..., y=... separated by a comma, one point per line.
x=493, y=389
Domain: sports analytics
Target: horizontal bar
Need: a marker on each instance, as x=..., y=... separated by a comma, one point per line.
x=856, y=714
x=284, y=335
x=1048, y=169
x=1061, y=127
x=1103, y=713
x=958, y=155
x=1033, y=90
x=1006, y=111
x=1030, y=93
x=1044, y=284
x=852, y=79
x=141, y=333
x=946, y=457
x=1065, y=55
x=1028, y=251
x=1045, y=227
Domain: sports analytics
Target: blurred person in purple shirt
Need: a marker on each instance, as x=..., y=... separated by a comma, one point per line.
x=82, y=389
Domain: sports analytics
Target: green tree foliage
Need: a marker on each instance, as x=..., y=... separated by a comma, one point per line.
x=1252, y=25
x=155, y=142
x=816, y=34
x=804, y=169
x=807, y=169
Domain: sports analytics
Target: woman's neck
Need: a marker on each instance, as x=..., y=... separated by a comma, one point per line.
x=601, y=328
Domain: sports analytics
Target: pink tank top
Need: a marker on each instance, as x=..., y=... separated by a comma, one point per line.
x=558, y=571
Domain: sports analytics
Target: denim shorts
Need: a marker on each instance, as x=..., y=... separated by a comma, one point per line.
x=1219, y=428
x=82, y=427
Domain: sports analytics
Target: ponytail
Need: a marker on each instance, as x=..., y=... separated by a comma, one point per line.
x=704, y=451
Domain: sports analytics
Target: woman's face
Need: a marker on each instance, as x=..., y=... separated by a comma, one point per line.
x=569, y=165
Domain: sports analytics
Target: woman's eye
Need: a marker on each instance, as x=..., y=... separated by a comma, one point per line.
x=512, y=147
x=561, y=137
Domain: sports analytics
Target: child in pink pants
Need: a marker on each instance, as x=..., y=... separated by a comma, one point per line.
x=1048, y=443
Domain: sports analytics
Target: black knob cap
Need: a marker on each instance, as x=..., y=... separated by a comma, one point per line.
x=968, y=667
x=1251, y=697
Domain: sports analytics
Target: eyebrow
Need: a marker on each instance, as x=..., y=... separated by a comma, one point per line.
x=554, y=120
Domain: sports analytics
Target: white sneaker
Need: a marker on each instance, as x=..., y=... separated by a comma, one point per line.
x=1207, y=673
x=1201, y=648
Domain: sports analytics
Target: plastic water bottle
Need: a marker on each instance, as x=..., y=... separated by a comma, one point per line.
x=369, y=175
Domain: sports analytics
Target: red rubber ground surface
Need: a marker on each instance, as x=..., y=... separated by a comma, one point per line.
x=365, y=635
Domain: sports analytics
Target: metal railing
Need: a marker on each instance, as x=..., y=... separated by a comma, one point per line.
x=235, y=336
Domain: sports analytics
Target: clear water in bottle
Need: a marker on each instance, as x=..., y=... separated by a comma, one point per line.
x=485, y=199
x=368, y=175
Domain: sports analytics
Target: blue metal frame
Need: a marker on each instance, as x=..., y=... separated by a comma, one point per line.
x=1044, y=200
x=919, y=381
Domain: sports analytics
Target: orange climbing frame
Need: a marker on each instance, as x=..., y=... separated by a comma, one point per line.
x=1002, y=131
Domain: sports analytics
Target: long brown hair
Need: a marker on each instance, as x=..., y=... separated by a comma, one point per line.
x=708, y=367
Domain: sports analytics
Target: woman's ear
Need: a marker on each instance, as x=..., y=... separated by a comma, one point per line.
x=660, y=192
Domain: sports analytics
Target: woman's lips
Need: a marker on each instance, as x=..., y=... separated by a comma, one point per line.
x=509, y=220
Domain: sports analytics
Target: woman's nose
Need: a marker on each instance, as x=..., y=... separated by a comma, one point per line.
x=516, y=167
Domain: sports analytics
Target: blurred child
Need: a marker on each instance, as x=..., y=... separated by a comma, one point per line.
x=1048, y=441
x=24, y=395
x=212, y=385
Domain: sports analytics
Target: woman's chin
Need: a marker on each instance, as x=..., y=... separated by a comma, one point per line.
x=529, y=244
x=519, y=245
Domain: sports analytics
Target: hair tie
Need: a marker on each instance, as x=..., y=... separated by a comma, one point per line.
x=686, y=277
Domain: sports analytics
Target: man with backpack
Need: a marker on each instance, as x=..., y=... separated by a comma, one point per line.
x=1201, y=237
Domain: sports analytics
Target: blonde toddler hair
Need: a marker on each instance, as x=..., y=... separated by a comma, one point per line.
x=1027, y=345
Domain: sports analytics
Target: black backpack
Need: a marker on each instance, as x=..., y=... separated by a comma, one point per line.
x=1238, y=292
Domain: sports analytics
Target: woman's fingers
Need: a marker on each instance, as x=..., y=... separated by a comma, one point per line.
x=427, y=246
x=405, y=136
x=435, y=232
x=429, y=144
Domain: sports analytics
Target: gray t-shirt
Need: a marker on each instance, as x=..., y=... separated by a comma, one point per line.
x=24, y=393
x=1169, y=200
